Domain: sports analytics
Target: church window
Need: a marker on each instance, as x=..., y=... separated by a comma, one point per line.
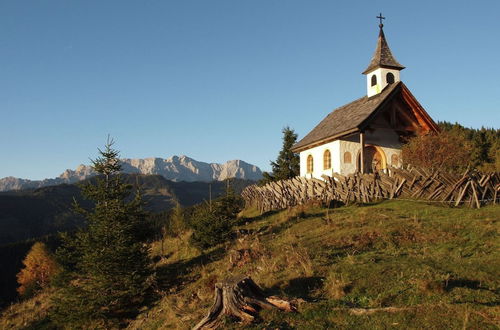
x=374, y=80
x=309, y=164
x=394, y=160
x=347, y=157
x=327, y=160
x=390, y=78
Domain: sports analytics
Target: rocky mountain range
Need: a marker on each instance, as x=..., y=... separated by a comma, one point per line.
x=175, y=168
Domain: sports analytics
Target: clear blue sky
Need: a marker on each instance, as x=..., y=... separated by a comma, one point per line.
x=218, y=80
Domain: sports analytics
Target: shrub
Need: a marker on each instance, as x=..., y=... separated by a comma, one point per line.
x=484, y=143
x=39, y=268
x=438, y=151
x=212, y=224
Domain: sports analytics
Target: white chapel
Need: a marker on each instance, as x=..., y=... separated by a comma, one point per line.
x=366, y=135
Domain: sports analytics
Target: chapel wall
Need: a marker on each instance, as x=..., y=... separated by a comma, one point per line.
x=353, y=148
x=388, y=141
x=385, y=139
x=317, y=154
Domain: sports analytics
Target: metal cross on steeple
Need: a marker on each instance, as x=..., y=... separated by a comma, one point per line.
x=380, y=17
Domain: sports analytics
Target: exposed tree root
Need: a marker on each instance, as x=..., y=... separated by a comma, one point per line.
x=242, y=299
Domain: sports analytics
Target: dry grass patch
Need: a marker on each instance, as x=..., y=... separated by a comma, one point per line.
x=336, y=286
x=418, y=265
x=31, y=313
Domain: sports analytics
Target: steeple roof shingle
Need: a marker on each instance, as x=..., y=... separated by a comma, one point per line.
x=383, y=58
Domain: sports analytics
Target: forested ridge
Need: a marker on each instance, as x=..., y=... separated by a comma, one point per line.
x=39, y=214
x=482, y=143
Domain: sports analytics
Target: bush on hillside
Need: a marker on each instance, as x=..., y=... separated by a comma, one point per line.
x=39, y=269
x=212, y=224
x=484, y=144
x=442, y=151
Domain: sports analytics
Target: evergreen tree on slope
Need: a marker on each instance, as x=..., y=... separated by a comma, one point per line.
x=287, y=165
x=107, y=269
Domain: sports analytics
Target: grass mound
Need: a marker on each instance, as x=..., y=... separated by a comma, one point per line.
x=396, y=263
x=392, y=264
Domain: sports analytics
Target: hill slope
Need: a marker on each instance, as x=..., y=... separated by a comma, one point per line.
x=438, y=265
x=396, y=263
x=32, y=213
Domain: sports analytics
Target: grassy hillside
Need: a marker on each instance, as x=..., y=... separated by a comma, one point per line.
x=392, y=264
x=37, y=214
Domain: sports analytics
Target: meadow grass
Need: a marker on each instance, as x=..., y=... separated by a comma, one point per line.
x=390, y=264
x=384, y=265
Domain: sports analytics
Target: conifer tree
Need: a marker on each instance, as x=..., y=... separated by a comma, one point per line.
x=212, y=223
x=107, y=268
x=287, y=165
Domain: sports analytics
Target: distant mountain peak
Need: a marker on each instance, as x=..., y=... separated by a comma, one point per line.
x=174, y=168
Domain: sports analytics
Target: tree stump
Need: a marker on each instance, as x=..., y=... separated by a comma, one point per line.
x=240, y=298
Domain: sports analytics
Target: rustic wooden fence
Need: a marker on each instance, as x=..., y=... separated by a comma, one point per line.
x=472, y=189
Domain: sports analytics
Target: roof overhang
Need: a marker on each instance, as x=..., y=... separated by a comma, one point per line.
x=326, y=140
x=358, y=128
x=419, y=110
x=371, y=69
x=422, y=116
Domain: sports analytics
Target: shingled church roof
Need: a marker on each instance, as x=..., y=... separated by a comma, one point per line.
x=347, y=119
x=383, y=58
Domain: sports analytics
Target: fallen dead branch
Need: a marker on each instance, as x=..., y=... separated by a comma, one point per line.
x=369, y=311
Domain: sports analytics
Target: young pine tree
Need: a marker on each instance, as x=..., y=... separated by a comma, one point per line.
x=107, y=268
x=177, y=222
x=287, y=165
x=212, y=224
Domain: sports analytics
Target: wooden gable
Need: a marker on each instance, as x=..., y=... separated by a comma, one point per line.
x=395, y=107
x=404, y=114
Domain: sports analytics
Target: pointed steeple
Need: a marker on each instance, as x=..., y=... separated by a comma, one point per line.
x=383, y=69
x=383, y=58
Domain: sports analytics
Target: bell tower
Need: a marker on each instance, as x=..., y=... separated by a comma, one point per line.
x=383, y=68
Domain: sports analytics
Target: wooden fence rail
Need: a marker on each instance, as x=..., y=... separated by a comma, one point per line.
x=472, y=189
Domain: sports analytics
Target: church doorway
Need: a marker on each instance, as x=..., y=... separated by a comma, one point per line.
x=374, y=160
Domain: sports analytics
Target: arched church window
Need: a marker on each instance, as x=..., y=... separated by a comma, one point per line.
x=394, y=160
x=310, y=164
x=327, y=160
x=390, y=78
x=347, y=157
x=374, y=80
